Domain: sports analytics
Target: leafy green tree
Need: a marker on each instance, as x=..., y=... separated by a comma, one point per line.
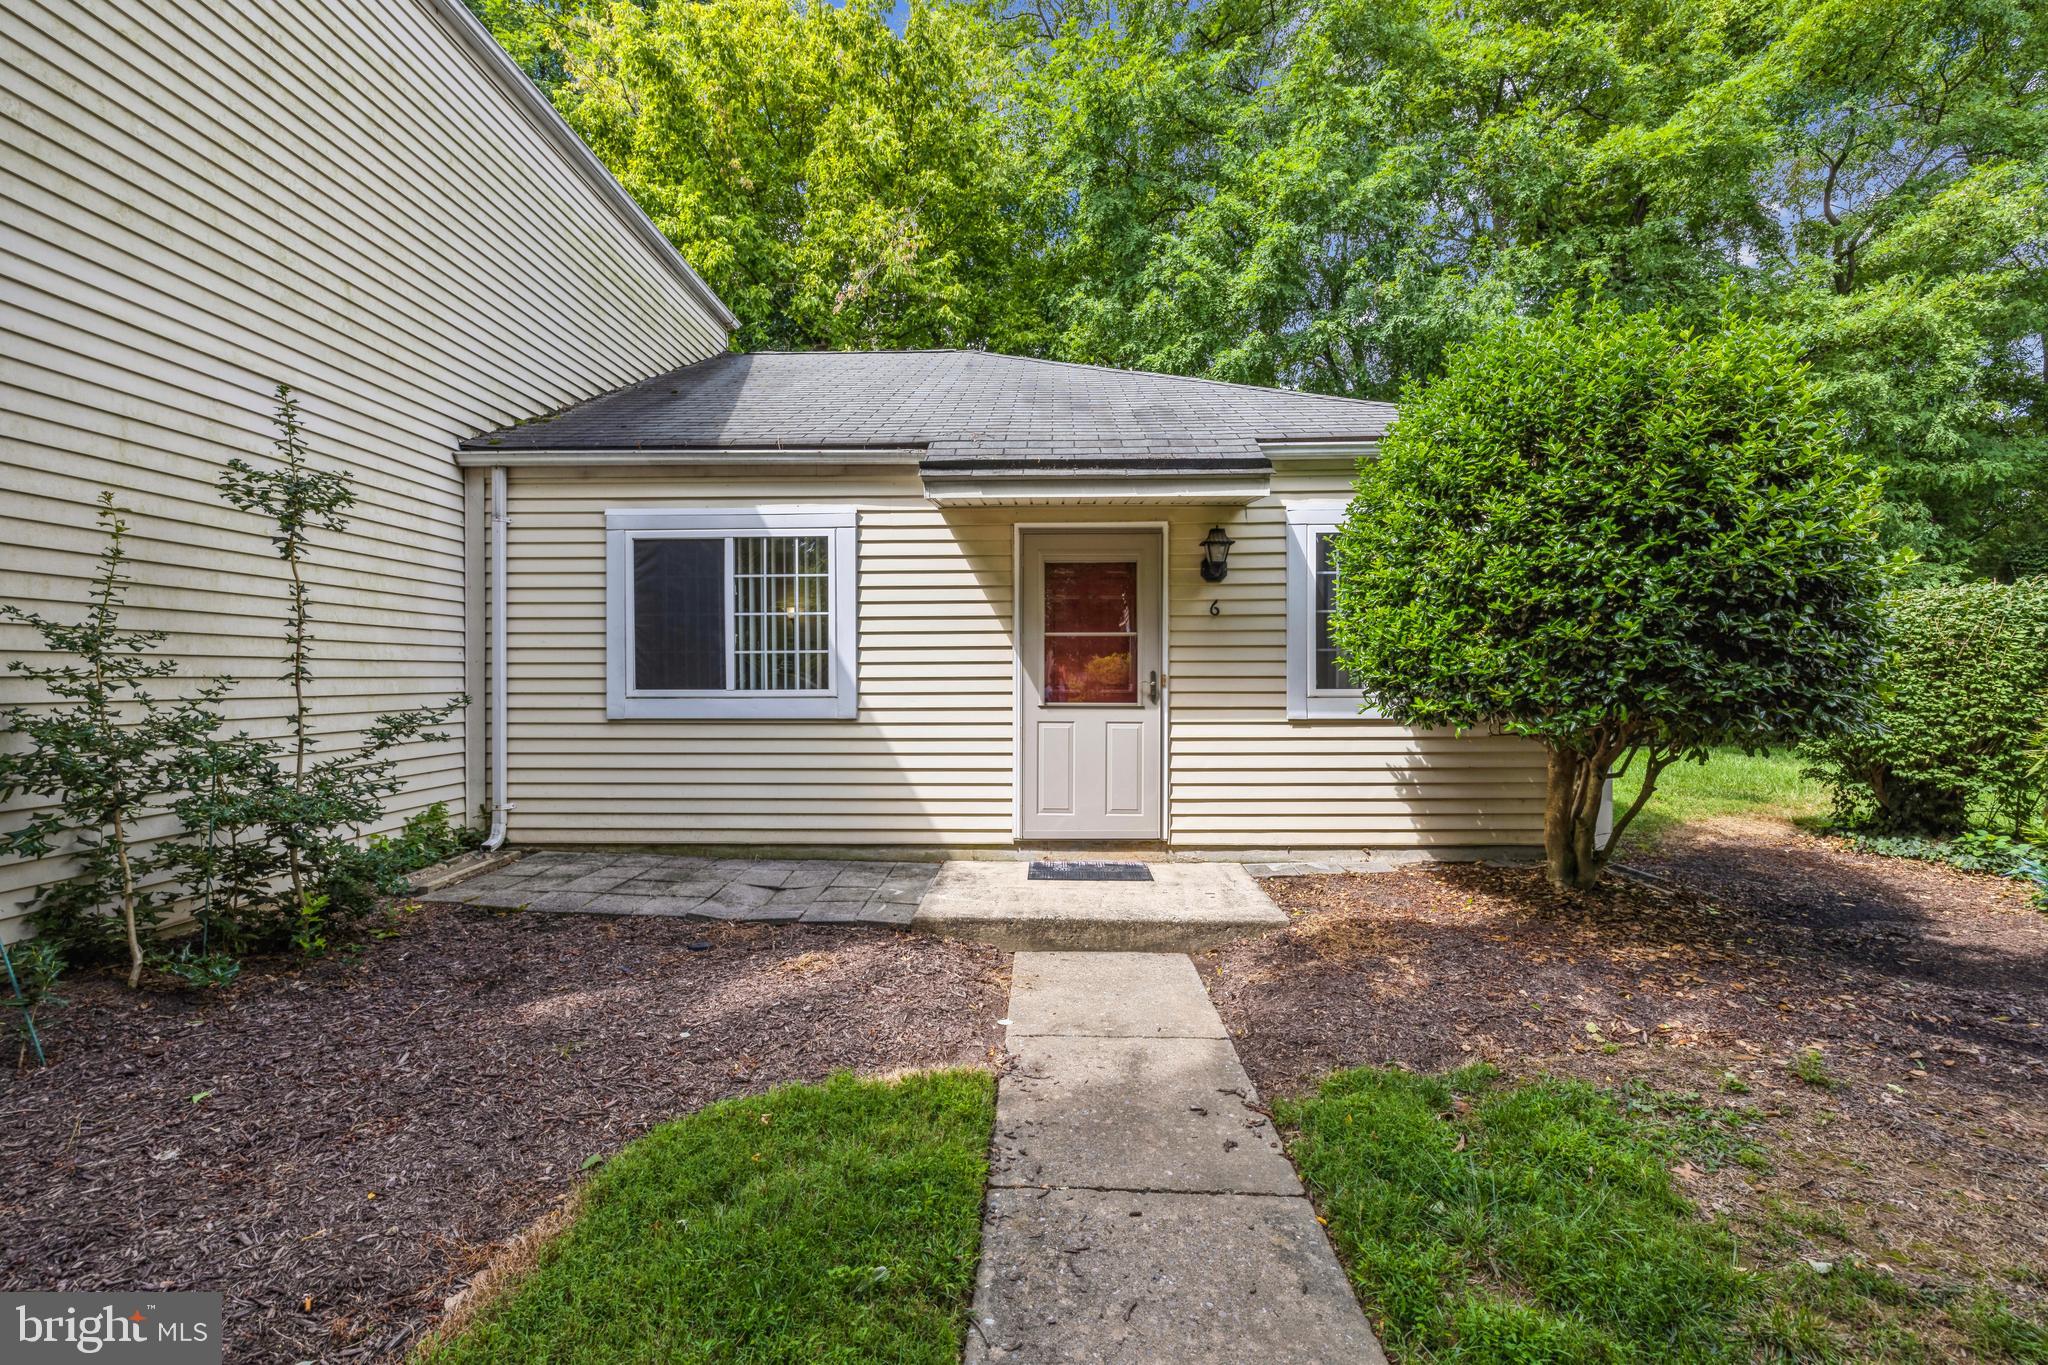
x=837, y=183
x=1331, y=195
x=103, y=750
x=1910, y=167
x=1628, y=540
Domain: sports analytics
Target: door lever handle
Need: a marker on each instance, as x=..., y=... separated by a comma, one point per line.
x=1155, y=687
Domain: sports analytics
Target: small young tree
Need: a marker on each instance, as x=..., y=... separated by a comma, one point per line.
x=104, y=751
x=1619, y=537
x=310, y=803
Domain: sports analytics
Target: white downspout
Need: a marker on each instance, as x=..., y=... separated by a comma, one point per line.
x=496, y=683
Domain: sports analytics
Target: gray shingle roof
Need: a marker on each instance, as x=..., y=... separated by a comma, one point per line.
x=966, y=410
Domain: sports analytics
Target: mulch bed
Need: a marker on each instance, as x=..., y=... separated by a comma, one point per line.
x=1925, y=989
x=336, y=1149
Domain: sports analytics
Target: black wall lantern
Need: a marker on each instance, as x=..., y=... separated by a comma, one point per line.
x=1216, y=555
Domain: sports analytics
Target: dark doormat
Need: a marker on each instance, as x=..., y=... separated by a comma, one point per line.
x=1089, y=872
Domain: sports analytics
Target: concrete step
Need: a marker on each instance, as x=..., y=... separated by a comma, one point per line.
x=1187, y=906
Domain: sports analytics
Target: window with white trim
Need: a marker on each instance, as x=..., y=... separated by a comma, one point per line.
x=1317, y=688
x=731, y=613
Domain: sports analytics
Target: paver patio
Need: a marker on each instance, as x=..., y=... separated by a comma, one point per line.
x=815, y=891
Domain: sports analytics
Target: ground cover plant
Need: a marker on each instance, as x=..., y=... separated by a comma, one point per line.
x=339, y=1145
x=834, y=1222
x=1977, y=851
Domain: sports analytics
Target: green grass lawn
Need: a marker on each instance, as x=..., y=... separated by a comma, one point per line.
x=835, y=1222
x=1540, y=1222
x=1728, y=783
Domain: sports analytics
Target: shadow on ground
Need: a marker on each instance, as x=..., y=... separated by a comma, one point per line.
x=1917, y=1123
x=335, y=1147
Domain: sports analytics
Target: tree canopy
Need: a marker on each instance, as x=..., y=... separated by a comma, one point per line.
x=1330, y=194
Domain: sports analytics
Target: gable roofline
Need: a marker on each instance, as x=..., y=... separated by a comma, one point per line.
x=506, y=74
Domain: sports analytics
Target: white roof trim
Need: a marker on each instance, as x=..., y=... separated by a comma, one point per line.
x=498, y=64
x=1039, y=490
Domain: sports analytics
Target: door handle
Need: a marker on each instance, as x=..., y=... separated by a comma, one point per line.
x=1155, y=687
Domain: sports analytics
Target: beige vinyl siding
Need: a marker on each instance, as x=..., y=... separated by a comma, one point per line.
x=202, y=200
x=1243, y=775
x=929, y=759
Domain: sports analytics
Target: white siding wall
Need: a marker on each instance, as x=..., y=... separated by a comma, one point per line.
x=929, y=759
x=201, y=199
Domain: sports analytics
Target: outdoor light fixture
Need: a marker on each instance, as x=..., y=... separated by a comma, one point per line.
x=1216, y=555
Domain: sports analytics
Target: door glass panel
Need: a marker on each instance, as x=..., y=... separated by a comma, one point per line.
x=1091, y=597
x=1090, y=668
x=1091, y=640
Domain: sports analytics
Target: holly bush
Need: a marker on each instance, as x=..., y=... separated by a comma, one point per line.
x=1959, y=731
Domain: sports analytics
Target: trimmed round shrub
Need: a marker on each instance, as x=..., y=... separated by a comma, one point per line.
x=1959, y=731
x=1625, y=538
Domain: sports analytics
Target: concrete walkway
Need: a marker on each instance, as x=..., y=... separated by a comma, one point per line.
x=1140, y=1206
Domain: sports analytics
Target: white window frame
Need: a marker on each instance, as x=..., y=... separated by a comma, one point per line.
x=1306, y=701
x=839, y=525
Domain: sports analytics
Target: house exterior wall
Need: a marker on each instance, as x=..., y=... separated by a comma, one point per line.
x=201, y=200
x=930, y=758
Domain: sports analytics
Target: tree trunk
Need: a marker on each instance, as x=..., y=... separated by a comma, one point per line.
x=128, y=902
x=1572, y=855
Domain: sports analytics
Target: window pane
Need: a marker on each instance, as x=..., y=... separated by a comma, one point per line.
x=1091, y=620
x=1091, y=597
x=678, y=615
x=1091, y=668
x=782, y=621
x=1328, y=677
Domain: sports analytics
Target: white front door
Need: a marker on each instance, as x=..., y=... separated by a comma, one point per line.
x=1092, y=715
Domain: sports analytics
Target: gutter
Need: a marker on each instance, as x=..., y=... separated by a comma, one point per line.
x=799, y=456
x=496, y=685
x=507, y=75
x=1346, y=449
x=1219, y=489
